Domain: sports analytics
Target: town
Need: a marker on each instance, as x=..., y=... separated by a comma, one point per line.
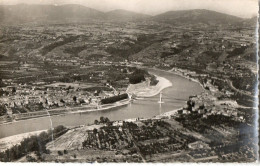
x=48, y=70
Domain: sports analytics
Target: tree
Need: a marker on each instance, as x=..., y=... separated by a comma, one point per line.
x=124, y=71
x=95, y=131
x=154, y=81
x=136, y=78
x=30, y=144
x=59, y=129
x=2, y=84
x=60, y=153
x=30, y=158
x=190, y=104
x=13, y=90
x=106, y=120
x=109, y=123
x=201, y=106
x=81, y=101
x=102, y=119
x=96, y=122
x=74, y=98
x=43, y=138
x=114, y=98
x=13, y=154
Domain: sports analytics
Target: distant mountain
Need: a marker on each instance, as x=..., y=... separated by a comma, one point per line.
x=40, y=13
x=125, y=15
x=196, y=16
x=24, y=13
x=251, y=21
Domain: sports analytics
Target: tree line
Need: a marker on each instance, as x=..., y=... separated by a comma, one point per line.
x=35, y=143
x=114, y=99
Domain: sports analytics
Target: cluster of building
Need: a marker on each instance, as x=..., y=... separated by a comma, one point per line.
x=24, y=98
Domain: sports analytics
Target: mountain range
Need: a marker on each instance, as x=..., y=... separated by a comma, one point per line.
x=197, y=16
x=23, y=13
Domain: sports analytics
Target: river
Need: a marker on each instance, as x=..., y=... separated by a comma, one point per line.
x=174, y=97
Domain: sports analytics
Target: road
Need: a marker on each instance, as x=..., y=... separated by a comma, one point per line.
x=238, y=90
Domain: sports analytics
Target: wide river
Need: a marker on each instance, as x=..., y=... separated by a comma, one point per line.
x=174, y=97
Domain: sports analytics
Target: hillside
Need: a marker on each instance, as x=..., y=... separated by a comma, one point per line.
x=40, y=13
x=23, y=13
x=124, y=15
x=196, y=16
x=251, y=22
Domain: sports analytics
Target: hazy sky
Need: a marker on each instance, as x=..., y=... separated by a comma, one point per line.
x=241, y=8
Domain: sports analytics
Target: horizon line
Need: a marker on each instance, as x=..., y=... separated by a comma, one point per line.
x=152, y=15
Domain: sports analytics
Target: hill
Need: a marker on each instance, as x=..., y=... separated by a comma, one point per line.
x=24, y=13
x=41, y=13
x=251, y=22
x=196, y=16
x=124, y=15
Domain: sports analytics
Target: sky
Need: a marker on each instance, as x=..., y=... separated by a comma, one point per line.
x=240, y=8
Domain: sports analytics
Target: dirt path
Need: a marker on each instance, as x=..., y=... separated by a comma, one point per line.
x=237, y=90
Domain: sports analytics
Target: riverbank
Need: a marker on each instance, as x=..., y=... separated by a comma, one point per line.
x=140, y=90
x=144, y=89
x=74, y=110
x=162, y=84
x=185, y=74
x=203, y=98
x=8, y=142
x=148, y=92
